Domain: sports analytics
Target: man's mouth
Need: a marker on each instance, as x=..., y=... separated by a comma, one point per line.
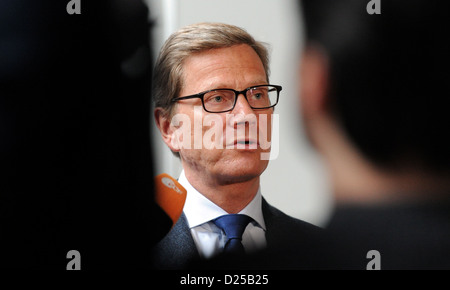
x=246, y=143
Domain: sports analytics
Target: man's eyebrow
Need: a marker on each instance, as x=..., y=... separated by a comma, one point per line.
x=216, y=86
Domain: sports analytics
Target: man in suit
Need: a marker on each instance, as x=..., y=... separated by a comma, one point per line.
x=373, y=95
x=214, y=105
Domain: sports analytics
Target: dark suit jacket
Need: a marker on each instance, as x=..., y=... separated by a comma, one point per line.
x=177, y=249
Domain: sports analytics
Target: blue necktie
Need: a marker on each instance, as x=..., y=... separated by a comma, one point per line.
x=233, y=225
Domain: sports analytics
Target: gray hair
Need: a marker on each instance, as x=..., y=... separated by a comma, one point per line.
x=192, y=39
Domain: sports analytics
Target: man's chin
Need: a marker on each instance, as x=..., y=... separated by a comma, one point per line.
x=238, y=178
x=242, y=172
x=247, y=153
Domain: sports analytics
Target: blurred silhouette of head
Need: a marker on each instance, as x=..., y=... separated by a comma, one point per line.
x=75, y=155
x=378, y=83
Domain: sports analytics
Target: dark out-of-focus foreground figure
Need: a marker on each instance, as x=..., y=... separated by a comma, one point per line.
x=374, y=98
x=75, y=158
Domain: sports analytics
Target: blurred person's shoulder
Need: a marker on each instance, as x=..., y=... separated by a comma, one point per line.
x=412, y=235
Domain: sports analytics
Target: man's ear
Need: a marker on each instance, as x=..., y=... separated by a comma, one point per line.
x=164, y=124
x=314, y=82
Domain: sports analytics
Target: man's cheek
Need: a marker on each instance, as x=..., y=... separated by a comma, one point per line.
x=213, y=132
x=265, y=130
x=270, y=143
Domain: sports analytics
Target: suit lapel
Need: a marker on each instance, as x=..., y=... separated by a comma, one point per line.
x=270, y=219
x=177, y=248
x=279, y=226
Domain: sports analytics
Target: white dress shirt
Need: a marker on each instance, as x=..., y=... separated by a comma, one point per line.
x=210, y=239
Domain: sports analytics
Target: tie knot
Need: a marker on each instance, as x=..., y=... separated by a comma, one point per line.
x=233, y=224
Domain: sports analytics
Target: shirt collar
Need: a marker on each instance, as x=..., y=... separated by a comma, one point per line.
x=199, y=210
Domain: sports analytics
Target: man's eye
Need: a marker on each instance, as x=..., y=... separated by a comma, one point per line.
x=215, y=99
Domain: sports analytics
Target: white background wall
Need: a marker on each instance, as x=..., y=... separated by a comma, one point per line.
x=295, y=182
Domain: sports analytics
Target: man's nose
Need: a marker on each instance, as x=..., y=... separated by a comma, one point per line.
x=242, y=113
x=242, y=106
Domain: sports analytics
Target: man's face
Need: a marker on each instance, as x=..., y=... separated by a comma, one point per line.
x=237, y=67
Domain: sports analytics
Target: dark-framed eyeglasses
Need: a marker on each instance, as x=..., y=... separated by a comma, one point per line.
x=224, y=100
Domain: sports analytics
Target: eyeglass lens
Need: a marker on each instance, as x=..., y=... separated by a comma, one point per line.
x=258, y=98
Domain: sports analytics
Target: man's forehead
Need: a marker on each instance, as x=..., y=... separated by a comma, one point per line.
x=233, y=56
x=224, y=74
